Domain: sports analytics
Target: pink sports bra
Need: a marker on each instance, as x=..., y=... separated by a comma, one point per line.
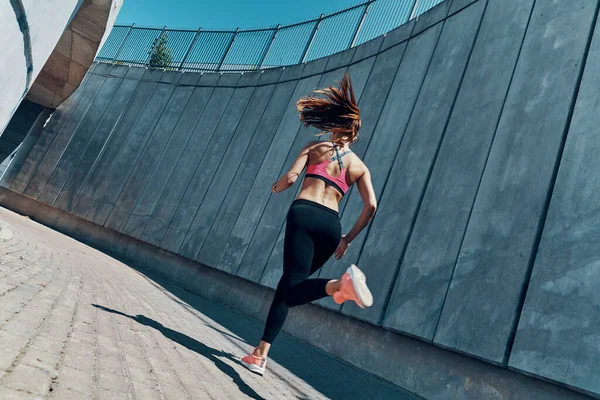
x=319, y=171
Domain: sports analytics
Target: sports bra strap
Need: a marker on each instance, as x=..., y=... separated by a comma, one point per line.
x=338, y=156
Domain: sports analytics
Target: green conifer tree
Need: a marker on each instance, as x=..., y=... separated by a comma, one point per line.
x=161, y=56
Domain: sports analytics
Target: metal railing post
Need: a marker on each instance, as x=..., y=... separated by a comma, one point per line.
x=414, y=10
x=264, y=56
x=227, y=49
x=312, y=37
x=360, y=24
x=123, y=42
x=189, y=50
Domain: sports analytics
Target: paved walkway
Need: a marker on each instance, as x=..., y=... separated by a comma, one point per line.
x=77, y=324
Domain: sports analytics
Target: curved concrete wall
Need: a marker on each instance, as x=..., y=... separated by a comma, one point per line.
x=485, y=240
x=31, y=31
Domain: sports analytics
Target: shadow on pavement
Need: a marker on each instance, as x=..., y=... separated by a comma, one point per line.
x=330, y=376
x=193, y=345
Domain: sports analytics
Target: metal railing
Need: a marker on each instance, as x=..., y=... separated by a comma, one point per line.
x=252, y=49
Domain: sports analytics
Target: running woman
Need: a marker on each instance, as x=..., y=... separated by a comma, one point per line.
x=313, y=231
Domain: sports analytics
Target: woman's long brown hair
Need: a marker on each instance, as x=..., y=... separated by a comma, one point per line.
x=336, y=112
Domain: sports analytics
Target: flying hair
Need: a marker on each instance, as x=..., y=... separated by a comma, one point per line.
x=335, y=111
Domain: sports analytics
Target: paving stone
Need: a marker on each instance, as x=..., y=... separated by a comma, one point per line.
x=99, y=329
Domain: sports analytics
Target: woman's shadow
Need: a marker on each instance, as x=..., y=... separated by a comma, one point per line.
x=194, y=345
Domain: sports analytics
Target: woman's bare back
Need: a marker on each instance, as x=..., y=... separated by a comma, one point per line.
x=319, y=191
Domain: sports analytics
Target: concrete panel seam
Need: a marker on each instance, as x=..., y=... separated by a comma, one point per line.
x=67, y=145
x=460, y=9
x=101, y=153
x=439, y=144
x=368, y=228
x=220, y=163
x=82, y=88
x=267, y=200
x=134, y=125
x=179, y=160
x=21, y=16
x=234, y=174
x=263, y=211
x=192, y=177
x=88, y=142
x=140, y=154
x=544, y=214
x=158, y=162
x=487, y=157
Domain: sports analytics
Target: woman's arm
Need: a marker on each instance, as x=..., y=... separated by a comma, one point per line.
x=365, y=188
x=287, y=180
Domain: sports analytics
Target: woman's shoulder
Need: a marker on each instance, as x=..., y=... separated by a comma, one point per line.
x=357, y=164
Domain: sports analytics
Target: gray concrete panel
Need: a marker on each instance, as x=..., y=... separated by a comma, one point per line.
x=189, y=166
x=62, y=138
x=224, y=175
x=367, y=49
x=359, y=73
x=119, y=71
x=286, y=128
x=91, y=189
x=152, y=75
x=371, y=104
x=115, y=180
x=35, y=157
x=431, y=253
x=229, y=80
x=162, y=173
x=249, y=79
x=270, y=76
x=557, y=337
x=398, y=206
x=341, y=59
x=206, y=171
x=210, y=109
x=479, y=314
x=431, y=17
x=292, y=72
x=79, y=140
x=97, y=142
x=209, y=79
x=389, y=131
x=148, y=159
x=398, y=35
x=314, y=67
x=458, y=5
x=103, y=69
x=265, y=236
x=171, y=77
x=135, y=73
x=190, y=78
x=249, y=167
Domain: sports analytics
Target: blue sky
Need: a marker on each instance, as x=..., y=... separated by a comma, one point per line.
x=224, y=13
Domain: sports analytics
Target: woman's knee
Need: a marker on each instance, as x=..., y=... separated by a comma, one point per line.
x=290, y=295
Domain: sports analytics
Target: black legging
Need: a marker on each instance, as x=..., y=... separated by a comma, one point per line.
x=312, y=234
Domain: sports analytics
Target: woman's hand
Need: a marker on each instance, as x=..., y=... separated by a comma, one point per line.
x=342, y=248
x=274, y=188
